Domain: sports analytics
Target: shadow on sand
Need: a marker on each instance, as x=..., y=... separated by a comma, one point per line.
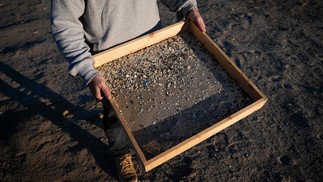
x=30, y=99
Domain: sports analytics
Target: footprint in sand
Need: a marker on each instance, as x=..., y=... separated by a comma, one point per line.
x=319, y=56
x=286, y=160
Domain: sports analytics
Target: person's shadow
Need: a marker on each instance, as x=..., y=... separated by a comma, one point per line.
x=30, y=99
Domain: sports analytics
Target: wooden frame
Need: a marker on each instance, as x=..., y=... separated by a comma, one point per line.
x=259, y=99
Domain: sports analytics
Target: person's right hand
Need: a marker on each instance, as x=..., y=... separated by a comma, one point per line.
x=99, y=88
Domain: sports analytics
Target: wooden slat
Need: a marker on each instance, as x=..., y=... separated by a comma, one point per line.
x=137, y=44
x=134, y=143
x=205, y=134
x=244, y=82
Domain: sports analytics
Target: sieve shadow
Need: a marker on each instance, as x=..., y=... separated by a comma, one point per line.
x=30, y=98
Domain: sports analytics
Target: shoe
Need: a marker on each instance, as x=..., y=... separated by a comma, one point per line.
x=125, y=168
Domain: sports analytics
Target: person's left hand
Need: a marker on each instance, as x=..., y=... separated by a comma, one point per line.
x=195, y=16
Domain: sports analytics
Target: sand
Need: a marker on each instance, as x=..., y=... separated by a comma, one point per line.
x=50, y=124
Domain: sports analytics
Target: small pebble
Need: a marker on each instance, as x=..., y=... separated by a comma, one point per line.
x=65, y=113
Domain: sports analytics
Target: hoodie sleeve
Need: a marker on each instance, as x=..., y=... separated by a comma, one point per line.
x=68, y=33
x=181, y=7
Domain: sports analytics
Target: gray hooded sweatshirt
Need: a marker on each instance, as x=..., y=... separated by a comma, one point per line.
x=81, y=27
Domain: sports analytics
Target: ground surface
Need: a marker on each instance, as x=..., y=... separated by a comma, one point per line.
x=50, y=127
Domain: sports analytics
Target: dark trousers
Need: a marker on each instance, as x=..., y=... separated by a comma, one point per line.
x=118, y=141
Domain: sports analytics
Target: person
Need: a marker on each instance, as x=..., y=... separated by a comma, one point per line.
x=82, y=28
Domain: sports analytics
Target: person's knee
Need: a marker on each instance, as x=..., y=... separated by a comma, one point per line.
x=109, y=119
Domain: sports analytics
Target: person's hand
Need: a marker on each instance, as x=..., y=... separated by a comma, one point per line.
x=99, y=88
x=195, y=16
